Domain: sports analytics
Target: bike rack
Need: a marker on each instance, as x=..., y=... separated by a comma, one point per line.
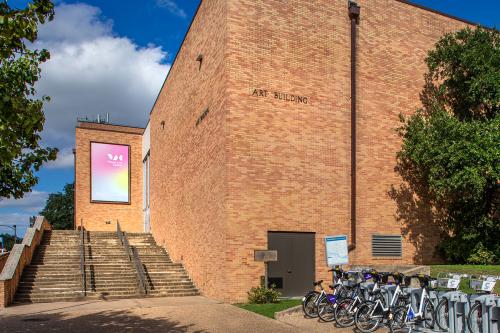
x=495, y=317
x=435, y=296
x=366, y=287
x=488, y=303
x=459, y=305
x=415, y=294
x=388, y=291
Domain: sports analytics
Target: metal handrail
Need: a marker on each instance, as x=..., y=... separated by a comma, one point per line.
x=82, y=259
x=132, y=255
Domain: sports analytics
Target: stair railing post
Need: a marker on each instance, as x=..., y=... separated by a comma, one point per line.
x=82, y=259
x=134, y=257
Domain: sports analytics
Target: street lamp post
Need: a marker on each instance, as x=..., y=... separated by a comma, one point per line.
x=13, y=227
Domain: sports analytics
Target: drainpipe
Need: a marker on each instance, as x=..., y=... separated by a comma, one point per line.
x=354, y=10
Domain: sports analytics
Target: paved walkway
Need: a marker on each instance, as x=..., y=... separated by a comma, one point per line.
x=311, y=325
x=314, y=325
x=163, y=314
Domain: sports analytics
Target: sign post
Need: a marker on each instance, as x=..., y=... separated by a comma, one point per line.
x=265, y=256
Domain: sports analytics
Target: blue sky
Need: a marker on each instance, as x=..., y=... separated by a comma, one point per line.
x=112, y=56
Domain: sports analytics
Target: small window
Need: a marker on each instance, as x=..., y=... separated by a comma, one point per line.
x=276, y=282
x=387, y=246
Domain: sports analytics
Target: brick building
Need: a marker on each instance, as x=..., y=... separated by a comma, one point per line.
x=248, y=145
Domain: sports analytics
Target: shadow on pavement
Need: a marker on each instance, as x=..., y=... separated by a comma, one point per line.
x=106, y=321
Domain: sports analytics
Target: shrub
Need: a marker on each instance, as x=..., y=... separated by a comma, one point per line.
x=481, y=256
x=261, y=295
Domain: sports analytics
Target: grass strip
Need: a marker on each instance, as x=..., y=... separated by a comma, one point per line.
x=269, y=309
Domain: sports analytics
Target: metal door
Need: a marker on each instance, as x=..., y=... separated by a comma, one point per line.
x=293, y=273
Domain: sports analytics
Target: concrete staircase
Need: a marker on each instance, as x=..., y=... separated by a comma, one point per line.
x=54, y=273
x=165, y=278
x=109, y=272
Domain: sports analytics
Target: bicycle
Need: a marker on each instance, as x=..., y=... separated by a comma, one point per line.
x=309, y=301
x=327, y=303
x=452, y=283
x=370, y=315
x=407, y=316
x=312, y=299
x=347, y=308
x=484, y=284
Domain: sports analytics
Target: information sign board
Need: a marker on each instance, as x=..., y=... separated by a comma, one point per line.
x=336, y=250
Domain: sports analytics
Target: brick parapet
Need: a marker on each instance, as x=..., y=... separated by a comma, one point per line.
x=19, y=257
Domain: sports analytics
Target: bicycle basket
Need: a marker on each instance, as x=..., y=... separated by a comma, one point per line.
x=483, y=284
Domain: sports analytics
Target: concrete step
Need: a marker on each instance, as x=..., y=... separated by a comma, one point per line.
x=73, y=296
x=184, y=285
x=55, y=275
x=46, y=289
x=162, y=293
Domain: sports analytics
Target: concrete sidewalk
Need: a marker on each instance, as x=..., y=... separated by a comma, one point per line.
x=162, y=314
x=299, y=321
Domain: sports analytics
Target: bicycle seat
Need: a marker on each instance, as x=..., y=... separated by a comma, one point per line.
x=318, y=283
x=398, y=277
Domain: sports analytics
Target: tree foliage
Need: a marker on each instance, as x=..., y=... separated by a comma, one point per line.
x=9, y=241
x=451, y=147
x=59, y=209
x=21, y=115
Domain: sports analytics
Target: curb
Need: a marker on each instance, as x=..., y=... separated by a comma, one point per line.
x=280, y=314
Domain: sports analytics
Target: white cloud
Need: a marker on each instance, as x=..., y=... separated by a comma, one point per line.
x=31, y=202
x=78, y=22
x=172, y=7
x=93, y=71
x=65, y=159
x=14, y=218
x=22, y=222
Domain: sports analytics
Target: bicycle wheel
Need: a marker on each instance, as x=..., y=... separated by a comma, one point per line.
x=326, y=310
x=309, y=304
x=343, y=317
x=397, y=319
x=428, y=317
x=364, y=322
x=475, y=318
x=442, y=315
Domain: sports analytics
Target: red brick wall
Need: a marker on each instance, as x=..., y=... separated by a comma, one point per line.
x=3, y=260
x=394, y=39
x=188, y=162
x=95, y=215
x=259, y=164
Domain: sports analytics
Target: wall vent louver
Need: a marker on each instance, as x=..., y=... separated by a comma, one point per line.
x=387, y=246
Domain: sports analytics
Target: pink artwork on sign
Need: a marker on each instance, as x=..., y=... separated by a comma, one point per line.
x=109, y=172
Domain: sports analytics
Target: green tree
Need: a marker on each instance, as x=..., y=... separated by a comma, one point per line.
x=8, y=241
x=60, y=208
x=21, y=115
x=450, y=156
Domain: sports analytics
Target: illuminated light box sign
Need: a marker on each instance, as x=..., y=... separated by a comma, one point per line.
x=109, y=173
